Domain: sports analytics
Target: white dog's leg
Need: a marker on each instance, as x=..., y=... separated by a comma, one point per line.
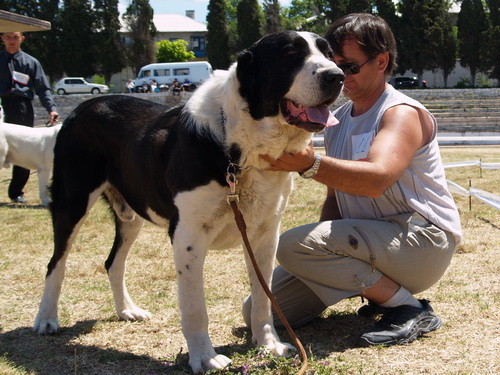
x=190, y=251
x=43, y=186
x=263, y=331
x=126, y=234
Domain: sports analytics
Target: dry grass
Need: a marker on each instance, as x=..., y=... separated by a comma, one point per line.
x=93, y=341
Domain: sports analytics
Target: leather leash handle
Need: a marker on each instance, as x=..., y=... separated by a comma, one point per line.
x=240, y=222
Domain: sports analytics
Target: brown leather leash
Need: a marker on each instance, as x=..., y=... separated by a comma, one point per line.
x=233, y=199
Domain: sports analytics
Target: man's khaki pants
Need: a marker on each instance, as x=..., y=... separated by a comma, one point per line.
x=326, y=262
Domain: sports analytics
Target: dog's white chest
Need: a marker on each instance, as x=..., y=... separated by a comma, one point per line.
x=205, y=211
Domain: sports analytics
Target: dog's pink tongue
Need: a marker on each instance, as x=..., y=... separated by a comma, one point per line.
x=319, y=114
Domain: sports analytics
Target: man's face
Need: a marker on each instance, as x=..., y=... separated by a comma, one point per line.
x=356, y=84
x=12, y=41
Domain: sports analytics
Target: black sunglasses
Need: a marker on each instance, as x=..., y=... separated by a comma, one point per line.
x=354, y=68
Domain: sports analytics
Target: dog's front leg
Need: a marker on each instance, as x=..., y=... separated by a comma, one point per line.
x=189, y=256
x=263, y=331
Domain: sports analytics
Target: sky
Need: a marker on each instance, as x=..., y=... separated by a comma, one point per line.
x=180, y=7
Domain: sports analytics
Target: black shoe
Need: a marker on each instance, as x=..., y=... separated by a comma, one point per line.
x=370, y=310
x=402, y=325
x=19, y=199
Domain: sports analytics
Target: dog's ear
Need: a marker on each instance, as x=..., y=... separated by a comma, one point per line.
x=255, y=85
x=246, y=72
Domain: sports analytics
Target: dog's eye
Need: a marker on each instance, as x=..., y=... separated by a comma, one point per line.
x=291, y=51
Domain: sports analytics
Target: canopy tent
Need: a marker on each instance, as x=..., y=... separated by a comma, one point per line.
x=10, y=22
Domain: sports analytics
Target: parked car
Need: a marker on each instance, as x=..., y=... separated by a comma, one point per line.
x=78, y=85
x=406, y=83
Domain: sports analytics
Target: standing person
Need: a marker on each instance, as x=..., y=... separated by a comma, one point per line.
x=21, y=76
x=388, y=226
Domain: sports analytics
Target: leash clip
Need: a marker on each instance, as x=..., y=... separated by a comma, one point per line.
x=232, y=181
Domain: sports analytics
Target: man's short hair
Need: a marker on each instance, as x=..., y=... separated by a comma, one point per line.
x=373, y=34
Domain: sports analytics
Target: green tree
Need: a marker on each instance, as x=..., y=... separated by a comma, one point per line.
x=357, y=6
x=217, y=35
x=472, y=25
x=422, y=35
x=167, y=51
x=273, y=18
x=338, y=8
x=307, y=15
x=387, y=10
x=77, y=39
x=493, y=38
x=232, y=27
x=139, y=20
x=249, y=23
x=110, y=53
x=447, y=59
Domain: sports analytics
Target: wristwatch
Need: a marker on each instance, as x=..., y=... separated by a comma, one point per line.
x=311, y=172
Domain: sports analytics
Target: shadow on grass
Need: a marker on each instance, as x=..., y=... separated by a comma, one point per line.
x=26, y=351
x=61, y=354
x=336, y=332
x=22, y=206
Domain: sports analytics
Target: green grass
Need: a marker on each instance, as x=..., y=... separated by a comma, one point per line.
x=93, y=341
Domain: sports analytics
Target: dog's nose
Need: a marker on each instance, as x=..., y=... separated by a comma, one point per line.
x=333, y=77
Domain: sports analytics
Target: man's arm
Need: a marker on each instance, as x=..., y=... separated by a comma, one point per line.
x=42, y=88
x=403, y=131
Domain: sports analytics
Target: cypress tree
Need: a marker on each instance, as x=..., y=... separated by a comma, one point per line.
x=249, y=26
x=217, y=35
x=77, y=38
x=493, y=38
x=109, y=49
x=139, y=20
x=422, y=35
x=472, y=24
x=273, y=18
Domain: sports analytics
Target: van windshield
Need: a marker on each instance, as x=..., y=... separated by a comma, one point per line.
x=144, y=73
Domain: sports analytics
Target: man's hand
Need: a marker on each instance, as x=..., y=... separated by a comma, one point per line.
x=289, y=162
x=53, y=116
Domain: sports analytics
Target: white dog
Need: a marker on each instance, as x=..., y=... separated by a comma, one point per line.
x=31, y=148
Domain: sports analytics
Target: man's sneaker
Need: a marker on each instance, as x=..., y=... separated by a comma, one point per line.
x=19, y=199
x=401, y=325
x=370, y=310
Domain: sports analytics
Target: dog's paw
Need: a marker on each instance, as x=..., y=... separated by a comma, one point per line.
x=201, y=364
x=280, y=349
x=134, y=314
x=46, y=326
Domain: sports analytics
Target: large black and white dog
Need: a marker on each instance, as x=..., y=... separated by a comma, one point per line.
x=170, y=167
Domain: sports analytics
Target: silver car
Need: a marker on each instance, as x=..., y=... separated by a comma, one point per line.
x=78, y=85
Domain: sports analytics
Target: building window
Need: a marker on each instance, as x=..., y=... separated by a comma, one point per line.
x=198, y=46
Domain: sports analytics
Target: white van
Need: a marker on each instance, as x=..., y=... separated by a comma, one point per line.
x=195, y=72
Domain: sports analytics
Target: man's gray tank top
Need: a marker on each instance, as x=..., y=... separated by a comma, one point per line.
x=421, y=188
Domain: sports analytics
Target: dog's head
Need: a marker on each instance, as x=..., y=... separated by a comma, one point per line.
x=292, y=74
